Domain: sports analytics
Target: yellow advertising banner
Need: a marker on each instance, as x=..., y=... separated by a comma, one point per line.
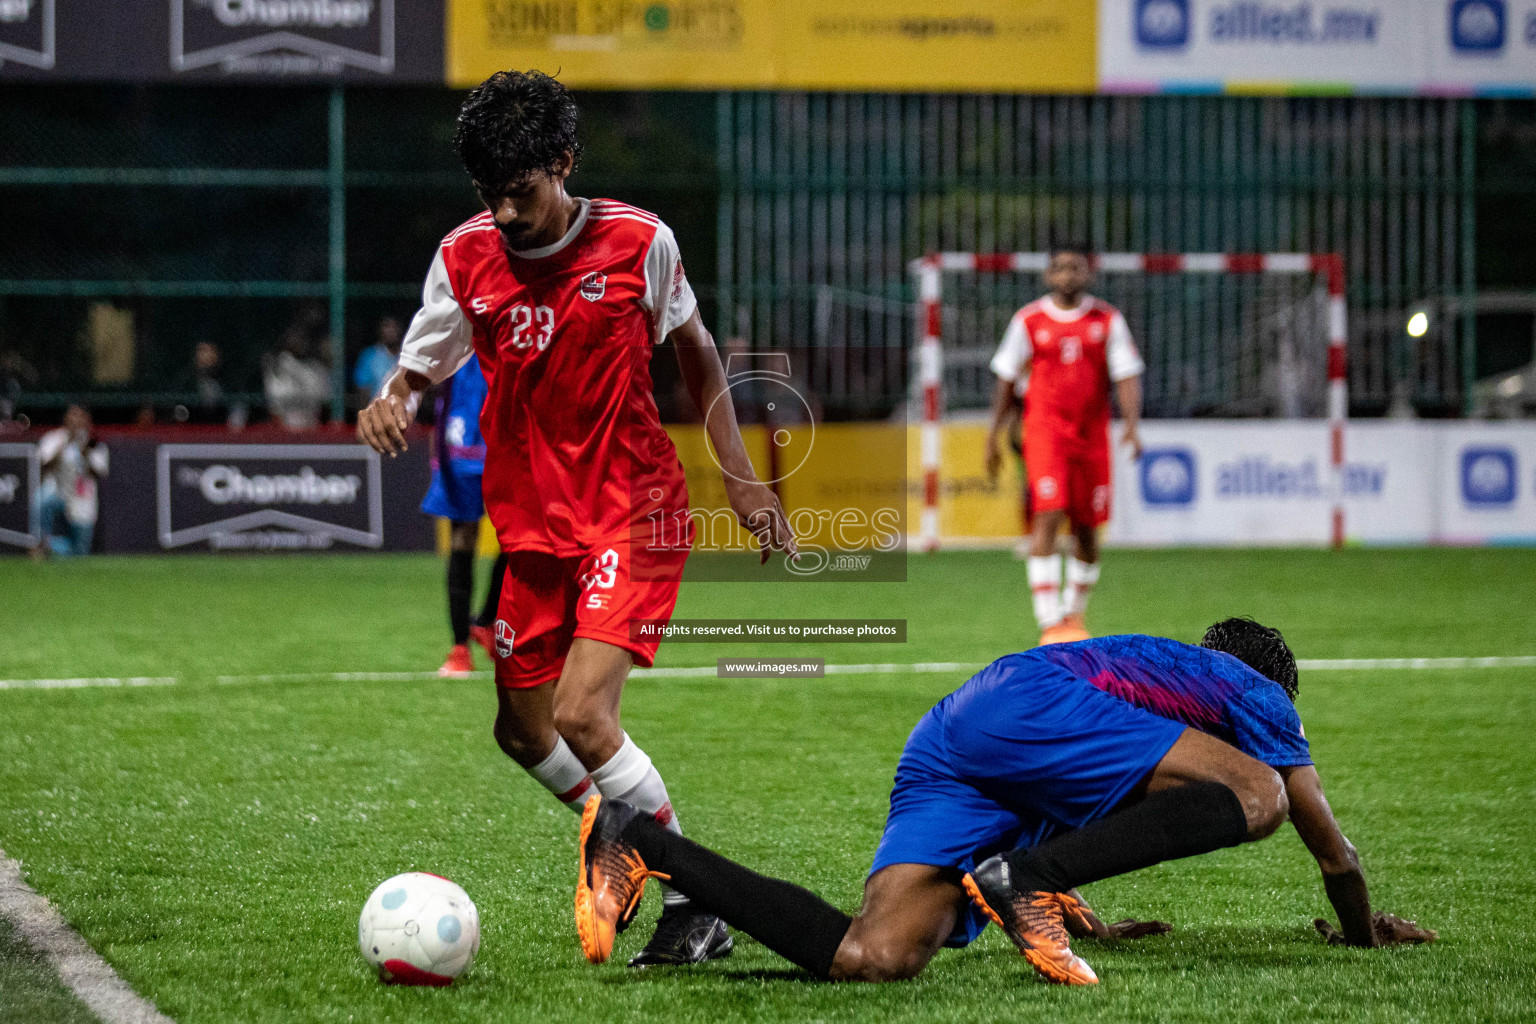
x=892, y=45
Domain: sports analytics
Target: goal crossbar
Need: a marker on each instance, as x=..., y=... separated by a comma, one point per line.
x=930, y=270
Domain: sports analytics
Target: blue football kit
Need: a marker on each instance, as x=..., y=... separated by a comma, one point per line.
x=458, y=449
x=1048, y=740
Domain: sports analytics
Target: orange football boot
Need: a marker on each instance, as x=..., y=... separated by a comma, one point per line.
x=483, y=636
x=1035, y=921
x=611, y=878
x=1068, y=630
x=460, y=662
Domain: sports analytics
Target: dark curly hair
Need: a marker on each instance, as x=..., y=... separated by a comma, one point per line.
x=1259, y=647
x=1073, y=246
x=513, y=124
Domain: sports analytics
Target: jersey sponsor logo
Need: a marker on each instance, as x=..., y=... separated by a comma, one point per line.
x=1071, y=348
x=593, y=286
x=1162, y=24
x=1096, y=331
x=1488, y=476
x=1478, y=26
x=1168, y=476
x=506, y=636
x=1046, y=487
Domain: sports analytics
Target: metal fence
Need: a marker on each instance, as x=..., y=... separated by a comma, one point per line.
x=823, y=197
x=216, y=212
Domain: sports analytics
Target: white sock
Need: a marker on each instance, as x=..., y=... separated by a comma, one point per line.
x=1081, y=576
x=630, y=776
x=1045, y=584
x=564, y=775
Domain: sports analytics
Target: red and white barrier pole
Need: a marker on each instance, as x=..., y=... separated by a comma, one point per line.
x=1332, y=265
x=930, y=374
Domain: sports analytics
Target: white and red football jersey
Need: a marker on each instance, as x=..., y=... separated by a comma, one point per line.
x=575, y=452
x=1069, y=358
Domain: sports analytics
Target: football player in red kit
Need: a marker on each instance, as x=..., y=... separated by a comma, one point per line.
x=1071, y=348
x=564, y=300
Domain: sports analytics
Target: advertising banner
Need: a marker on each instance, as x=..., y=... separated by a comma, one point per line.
x=18, y=495
x=1318, y=46
x=269, y=497
x=223, y=40
x=899, y=45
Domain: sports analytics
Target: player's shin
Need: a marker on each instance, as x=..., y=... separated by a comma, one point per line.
x=563, y=774
x=1045, y=584
x=461, y=576
x=1179, y=822
x=793, y=922
x=1081, y=578
x=631, y=777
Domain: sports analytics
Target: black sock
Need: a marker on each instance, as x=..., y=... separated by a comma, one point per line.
x=461, y=584
x=493, y=592
x=793, y=922
x=1179, y=822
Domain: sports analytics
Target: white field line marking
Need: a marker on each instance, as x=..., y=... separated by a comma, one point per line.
x=708, y=671
x=76, y=684
x=79, y=966
x=1345, y=664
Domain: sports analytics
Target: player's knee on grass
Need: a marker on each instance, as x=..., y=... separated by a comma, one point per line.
x=877, y=958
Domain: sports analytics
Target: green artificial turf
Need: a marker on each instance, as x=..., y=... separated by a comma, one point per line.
x=215, y=841
x=29, y=990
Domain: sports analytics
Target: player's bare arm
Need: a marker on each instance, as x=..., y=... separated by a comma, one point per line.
x=757, y=508
x=1343, y=879
x=1128, y=394
x=1004, y=407
x=383, y=422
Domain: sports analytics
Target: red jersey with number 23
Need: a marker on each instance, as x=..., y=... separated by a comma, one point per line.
x=576, y=457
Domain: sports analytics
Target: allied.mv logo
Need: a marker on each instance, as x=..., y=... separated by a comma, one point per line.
x=1162, y=24
x=1477, y=26
x=1488, y=476
x=1168, y=476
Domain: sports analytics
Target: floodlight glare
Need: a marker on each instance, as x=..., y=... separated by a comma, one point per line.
x=1418, y=325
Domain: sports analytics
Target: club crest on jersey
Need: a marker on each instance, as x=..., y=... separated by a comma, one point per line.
x=593, y=286
x=505, y=635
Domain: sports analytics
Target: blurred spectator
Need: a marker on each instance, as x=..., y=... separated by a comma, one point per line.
x=71, y=460
x=375, y=361
x=203, y=379
x=297, y=383
x=16, y=375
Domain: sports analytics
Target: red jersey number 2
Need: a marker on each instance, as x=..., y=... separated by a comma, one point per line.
x=532, y=326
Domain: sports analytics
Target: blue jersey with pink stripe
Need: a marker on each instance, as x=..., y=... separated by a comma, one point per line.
x=1206, y=690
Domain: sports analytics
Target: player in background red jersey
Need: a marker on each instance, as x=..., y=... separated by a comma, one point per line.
x=1071, y=348
x=564, y=300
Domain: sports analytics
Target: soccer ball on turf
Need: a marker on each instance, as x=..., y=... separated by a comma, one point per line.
x=419, y=929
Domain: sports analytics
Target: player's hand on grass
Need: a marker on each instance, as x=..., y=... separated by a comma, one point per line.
x=758, y=509
x=1390, y=929
x=1088, y=925
x=383, y=422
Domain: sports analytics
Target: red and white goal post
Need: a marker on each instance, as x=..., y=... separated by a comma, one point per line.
x=930, y=270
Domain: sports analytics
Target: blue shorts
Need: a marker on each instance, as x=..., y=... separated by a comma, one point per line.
x=454, y=495
x=1020, y=752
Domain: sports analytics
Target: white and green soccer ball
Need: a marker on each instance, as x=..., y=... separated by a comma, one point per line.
x=419, y=929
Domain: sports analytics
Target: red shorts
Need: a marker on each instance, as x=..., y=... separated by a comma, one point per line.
x=547, y=601
x=1068, y=477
